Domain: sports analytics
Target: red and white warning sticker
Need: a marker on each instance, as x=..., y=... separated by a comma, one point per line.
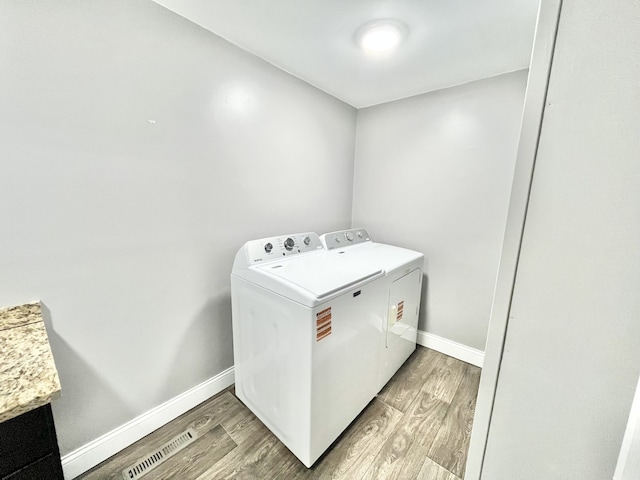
x=323, y=324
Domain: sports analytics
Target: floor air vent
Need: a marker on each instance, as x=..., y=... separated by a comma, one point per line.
x=156, y=458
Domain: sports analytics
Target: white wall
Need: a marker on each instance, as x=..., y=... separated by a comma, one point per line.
x=138, y=152
x=572, y=348
x=433, y=173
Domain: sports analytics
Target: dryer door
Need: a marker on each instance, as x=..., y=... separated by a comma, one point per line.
x=404, y=303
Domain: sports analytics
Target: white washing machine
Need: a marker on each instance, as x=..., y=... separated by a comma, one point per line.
x=305, y=338
x=403, y=285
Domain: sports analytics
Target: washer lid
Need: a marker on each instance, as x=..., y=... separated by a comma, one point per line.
x=312, y=279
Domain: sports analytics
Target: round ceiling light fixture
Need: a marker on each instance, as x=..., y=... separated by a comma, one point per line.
x=381, y=37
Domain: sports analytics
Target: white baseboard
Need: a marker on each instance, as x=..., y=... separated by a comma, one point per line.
x=453, y=349
x=91, y=454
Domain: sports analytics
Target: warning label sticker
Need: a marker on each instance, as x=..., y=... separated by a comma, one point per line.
x=400, y=311
x=323, y=324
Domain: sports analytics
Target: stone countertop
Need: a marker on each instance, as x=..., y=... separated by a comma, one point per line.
x=28, y=375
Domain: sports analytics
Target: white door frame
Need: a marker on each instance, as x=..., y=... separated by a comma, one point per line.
x=628, y=467
x=532, y=116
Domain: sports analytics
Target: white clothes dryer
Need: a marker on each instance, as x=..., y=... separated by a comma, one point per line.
x=305, y=338
x=403, y=285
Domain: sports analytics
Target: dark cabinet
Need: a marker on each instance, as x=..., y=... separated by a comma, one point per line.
x=29, y=448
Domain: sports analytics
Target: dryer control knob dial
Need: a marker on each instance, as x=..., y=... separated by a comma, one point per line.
x=336, y=238
x=306, y=240
x=349, y=236
x=268, y=247
x=289, y=244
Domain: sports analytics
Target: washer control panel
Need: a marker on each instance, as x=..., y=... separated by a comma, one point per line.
x=273, y=248
x=344, y=238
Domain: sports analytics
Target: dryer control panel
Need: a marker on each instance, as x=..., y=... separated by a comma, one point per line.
x=344, y=238
x=273, y=248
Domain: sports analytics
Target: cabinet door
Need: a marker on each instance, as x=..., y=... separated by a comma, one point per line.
x=26, y=439
x=47, y=467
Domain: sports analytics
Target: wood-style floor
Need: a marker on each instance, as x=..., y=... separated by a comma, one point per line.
x=418, y=427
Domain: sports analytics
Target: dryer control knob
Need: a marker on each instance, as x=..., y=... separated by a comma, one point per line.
x=306, y=240
x=349, y=236
x=289, y=244
x=336, y=238
x=268, y=247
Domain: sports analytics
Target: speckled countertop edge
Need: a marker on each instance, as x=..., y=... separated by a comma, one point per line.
x=12, y=317
x=28, y=375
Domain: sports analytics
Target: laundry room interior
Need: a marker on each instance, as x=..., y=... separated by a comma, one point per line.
x=144, y=142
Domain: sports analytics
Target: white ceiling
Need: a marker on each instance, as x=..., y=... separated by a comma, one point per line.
x=450, y=42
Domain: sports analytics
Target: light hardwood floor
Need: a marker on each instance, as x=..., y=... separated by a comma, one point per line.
x=418, y=427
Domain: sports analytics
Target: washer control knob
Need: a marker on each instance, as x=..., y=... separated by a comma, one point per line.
x=359, y=234
x=289, y=244
x=306, y=240
x=336, y=238
x=349, y=236
x=268, y=247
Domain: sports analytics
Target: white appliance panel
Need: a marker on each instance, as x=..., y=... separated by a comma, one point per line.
x=345, y=363
x=401, y=330
x=268, y=337
x=403, y=282
x=404, y=303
